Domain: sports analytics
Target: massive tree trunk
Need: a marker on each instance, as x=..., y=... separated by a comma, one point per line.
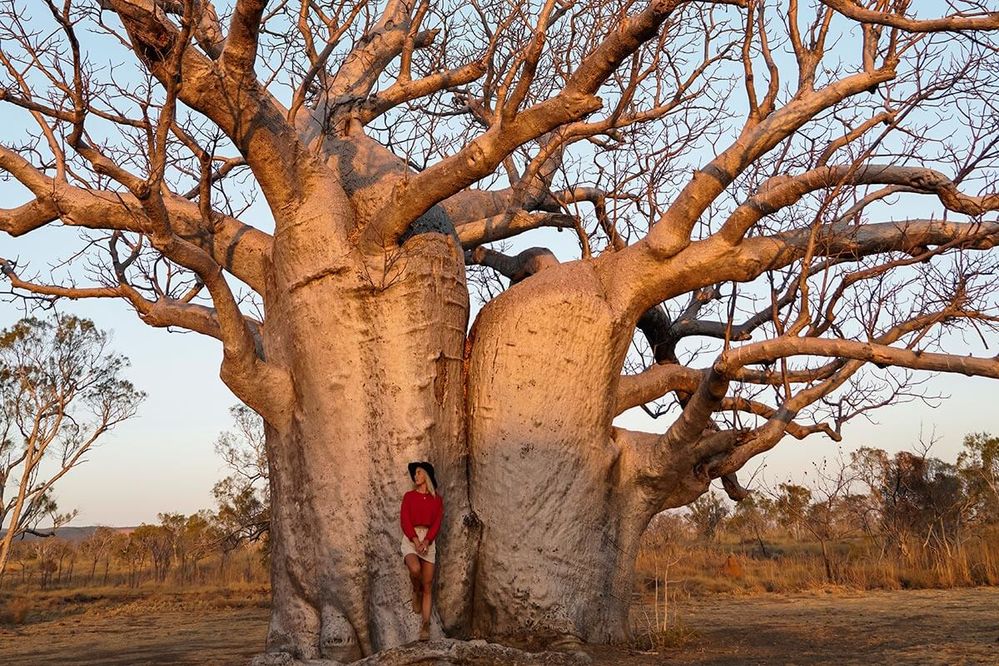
x=558, y=490
x=376, y=360
x=554, y=483
x=544, y=467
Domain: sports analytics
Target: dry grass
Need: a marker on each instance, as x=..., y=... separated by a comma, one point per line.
x=652, y=639
x=789, y=566
x=33, y=606
x=14, y=611
x=245, y=566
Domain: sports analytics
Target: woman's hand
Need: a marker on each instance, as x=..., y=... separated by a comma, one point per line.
x=422, y=547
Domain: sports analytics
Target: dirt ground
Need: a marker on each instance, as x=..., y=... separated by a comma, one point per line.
x=958, y=626
x=915, y=627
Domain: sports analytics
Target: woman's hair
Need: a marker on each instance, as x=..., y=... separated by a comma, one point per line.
x=430, y=482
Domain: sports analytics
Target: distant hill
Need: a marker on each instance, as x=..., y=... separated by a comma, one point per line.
x=71, y=533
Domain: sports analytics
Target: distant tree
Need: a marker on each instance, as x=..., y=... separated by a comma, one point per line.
x=919, y=499
x=96, y=547
x=828, y=517
x=869, y=465
x=22, y=554
x=751, y=519
x=130, y=552
x=45, y=550
x=790, y=504
x=707, y=514
x=243, y=497
x=61, y=390
x=932, y=500
x=65, y=554
x=195, y=542
x=663, y=540
x=979, y=465
x=160, y=542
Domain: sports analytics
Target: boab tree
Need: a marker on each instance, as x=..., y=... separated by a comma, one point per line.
x=727, y=167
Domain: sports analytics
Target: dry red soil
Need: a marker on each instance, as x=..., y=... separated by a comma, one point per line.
x=913, y=627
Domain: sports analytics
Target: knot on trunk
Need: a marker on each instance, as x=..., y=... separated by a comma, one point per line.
x=471, y=521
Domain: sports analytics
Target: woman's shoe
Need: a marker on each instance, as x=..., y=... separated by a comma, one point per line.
x=425, y=631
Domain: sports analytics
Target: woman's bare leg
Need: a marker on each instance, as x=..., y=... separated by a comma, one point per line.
x=427, y=575
x=413, y=564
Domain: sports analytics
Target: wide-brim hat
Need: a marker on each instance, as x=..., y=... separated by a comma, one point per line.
x=427, y=467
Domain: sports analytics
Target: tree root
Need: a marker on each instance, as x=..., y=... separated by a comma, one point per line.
x=442, y=652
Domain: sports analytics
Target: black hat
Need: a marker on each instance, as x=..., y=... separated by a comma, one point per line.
x=427, y=467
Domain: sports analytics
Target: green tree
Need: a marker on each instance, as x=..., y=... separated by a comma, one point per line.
x=979, y=465
x=242, y=498
x=706, y=515
x=197, y=541
x=919, y=499
x=751, y=519
x=791, y=506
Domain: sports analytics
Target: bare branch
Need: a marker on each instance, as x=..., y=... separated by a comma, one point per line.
x=505, y=225
x=414, y=196
x=896, y=19
x=517, y=268
x=240, y=49
x=783, y=191
x=243, y=250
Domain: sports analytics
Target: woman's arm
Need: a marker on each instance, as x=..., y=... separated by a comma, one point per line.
x=435, y=526
x=405, y=519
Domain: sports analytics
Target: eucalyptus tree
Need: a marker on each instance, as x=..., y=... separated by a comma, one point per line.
x=731, y=173
x=61, y=391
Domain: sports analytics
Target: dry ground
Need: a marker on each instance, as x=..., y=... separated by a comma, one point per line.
x=955, y=626
x=958, y=626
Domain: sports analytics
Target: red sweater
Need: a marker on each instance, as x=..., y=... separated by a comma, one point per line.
x=419, y=510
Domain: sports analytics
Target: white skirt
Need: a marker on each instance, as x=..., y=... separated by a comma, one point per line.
x=406, y=546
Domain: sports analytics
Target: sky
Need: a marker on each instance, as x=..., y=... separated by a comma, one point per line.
x=164, y=461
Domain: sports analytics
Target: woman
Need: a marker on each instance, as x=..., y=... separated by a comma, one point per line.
x=422, y=509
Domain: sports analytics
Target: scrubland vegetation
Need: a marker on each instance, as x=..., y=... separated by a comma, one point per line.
x=876, y=521
x=181, y=559
x=212, y=555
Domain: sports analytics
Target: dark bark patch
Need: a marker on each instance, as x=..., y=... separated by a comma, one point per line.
x=434, y=221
